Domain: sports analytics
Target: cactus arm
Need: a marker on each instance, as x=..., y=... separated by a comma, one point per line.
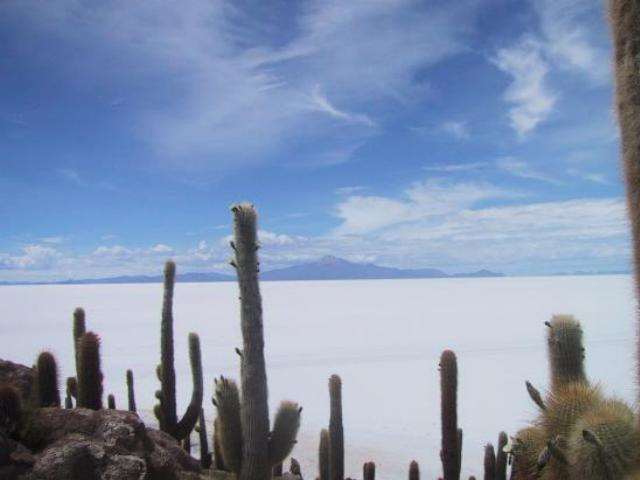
x=188, y=422
x=566, y=351
x=255, y=410
x=205, y=455
x=323, y=455
x=229, y=423
x=534, y=393
x=285, y=429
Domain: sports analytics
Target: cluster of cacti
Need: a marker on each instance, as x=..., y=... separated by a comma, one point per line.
x=165, y=410
x=248, y=447
x=579, y=434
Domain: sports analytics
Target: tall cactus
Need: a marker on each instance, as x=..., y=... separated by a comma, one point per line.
x=323, y=455
x=450, y=453
x=625, y=20
x=131, y=394
x=501, y=457
x=336, y=430
x=166, y=410
x=205, y=455
x=248, y=448
x=565, y=350
x=46, y=389
x=414, y=471
x=89, y=375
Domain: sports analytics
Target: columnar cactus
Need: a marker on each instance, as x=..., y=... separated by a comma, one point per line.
x=323, y=455
x=260, y=449
x=10, y=409
x=205, y=455
x=79, y=327
x=625, y=20
x=111, y=402
x=336, y=430
x=566, y=351
x=89, y=376
x=489, y=462
x=72, y=387
x=46, y=388
x=369, y=471
x=451, y=448
x=501, y=457
x=218, y=460
x=131, y=394
x=414, y=471
x=166, y=409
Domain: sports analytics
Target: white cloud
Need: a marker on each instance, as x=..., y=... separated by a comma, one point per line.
x=320, y=103
x=457, y=167
x=56, y=239
x=457, y=129
x=161, y=248
x=522, y=169
x=349, y=190
x=32, y=257
x=531, y=98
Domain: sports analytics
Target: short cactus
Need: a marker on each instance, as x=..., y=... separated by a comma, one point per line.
x=229, y=423
x=111, y=402
x=131, y=395
x=46, y=388
x=369, y=471
x=10, y=409
x=501, y=457
x=166, y=410
x=89, y=376
x=323, y=455
x=565, y=350
x=451, y=447
x=336, y=430
x=414, y=470
x=489, y=462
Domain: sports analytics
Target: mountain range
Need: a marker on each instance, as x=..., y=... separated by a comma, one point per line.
x=326, y=268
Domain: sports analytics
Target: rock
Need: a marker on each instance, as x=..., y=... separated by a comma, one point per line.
x=17, y=375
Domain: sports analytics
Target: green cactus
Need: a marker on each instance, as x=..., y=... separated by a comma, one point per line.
x=111, y=402
x=260, y=450
x=566, y=405
x=10, y=409
x=323, y=455
x=131, y=394
x=336, y=430
x=450, y=454
x=489, y=462
x=565, y=350
x=369, y=471
x=414, y=470
x=166, y=409
x=46, y=389
x=501, y=457
x=89, y=376
x=604, y=443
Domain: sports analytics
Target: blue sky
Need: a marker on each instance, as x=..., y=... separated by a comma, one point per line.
x=456, y=135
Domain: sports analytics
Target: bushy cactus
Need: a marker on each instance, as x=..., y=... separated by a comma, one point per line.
x=166, y=409
x=10, y=409
x=336, y=430
x=527, y=445
x=47, y=391
x=566, y=351
x=369, y=471
x=566, y=405
x=260, y=449
x=323, y=455
x=89, y=375
x=131, y=394
x=604, y=443
x=451, y=446
x=414, y=470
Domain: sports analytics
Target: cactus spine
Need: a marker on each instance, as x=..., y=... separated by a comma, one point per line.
x=566, y=351
x=89, y=375
x=336, y=430
x=323, y=455
x=451, y=448
x=166, y=410
x=489, y=462
x=414, y=471
x=46, y=388
x=131, y=394
x=369, y=471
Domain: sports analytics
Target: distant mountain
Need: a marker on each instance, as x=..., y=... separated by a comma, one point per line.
x=334, y=268
x=327, y=268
